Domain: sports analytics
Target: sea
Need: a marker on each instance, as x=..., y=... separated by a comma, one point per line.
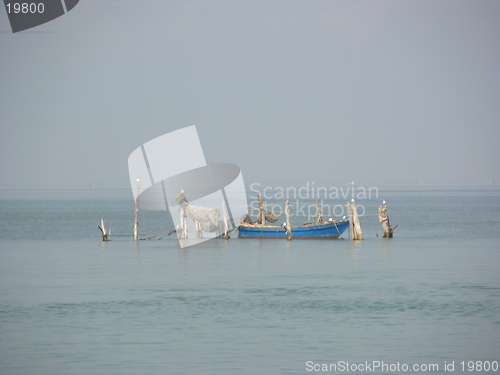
x=425, y=301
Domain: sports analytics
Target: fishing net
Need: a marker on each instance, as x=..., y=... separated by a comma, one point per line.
x=272, y=217
x=206, y=216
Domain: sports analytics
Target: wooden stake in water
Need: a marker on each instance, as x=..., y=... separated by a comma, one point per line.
x=384, y=219
x=182, y=232
x=261, y=219
x=136, y=214
x=357, y=234
x=224, y=214
x=199, y=232
x=320, y=213
x=288, y=225
x=103, y=231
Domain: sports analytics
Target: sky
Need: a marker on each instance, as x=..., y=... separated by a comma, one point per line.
x=375, y=92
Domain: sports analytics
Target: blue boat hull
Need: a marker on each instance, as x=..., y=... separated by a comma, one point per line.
x=325, y=230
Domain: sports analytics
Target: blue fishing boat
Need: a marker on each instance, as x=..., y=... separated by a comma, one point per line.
x=328, y=229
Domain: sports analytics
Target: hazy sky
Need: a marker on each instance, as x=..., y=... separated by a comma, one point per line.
x=379, y=92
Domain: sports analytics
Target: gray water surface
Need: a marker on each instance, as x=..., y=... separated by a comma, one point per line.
x=71, y=304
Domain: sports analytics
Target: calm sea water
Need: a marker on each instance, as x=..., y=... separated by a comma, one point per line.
x=71, y=304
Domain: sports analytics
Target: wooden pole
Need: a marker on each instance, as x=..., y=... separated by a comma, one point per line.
x=185, y=228
x=136, y=214
x=199, y=232
x=384, y=220
x=183, y=224
x=288, y=225
x=320, y=213
x=357, y=234
x=103, y=231
x=181, y=228
x=261, y=219
x=224, y=214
